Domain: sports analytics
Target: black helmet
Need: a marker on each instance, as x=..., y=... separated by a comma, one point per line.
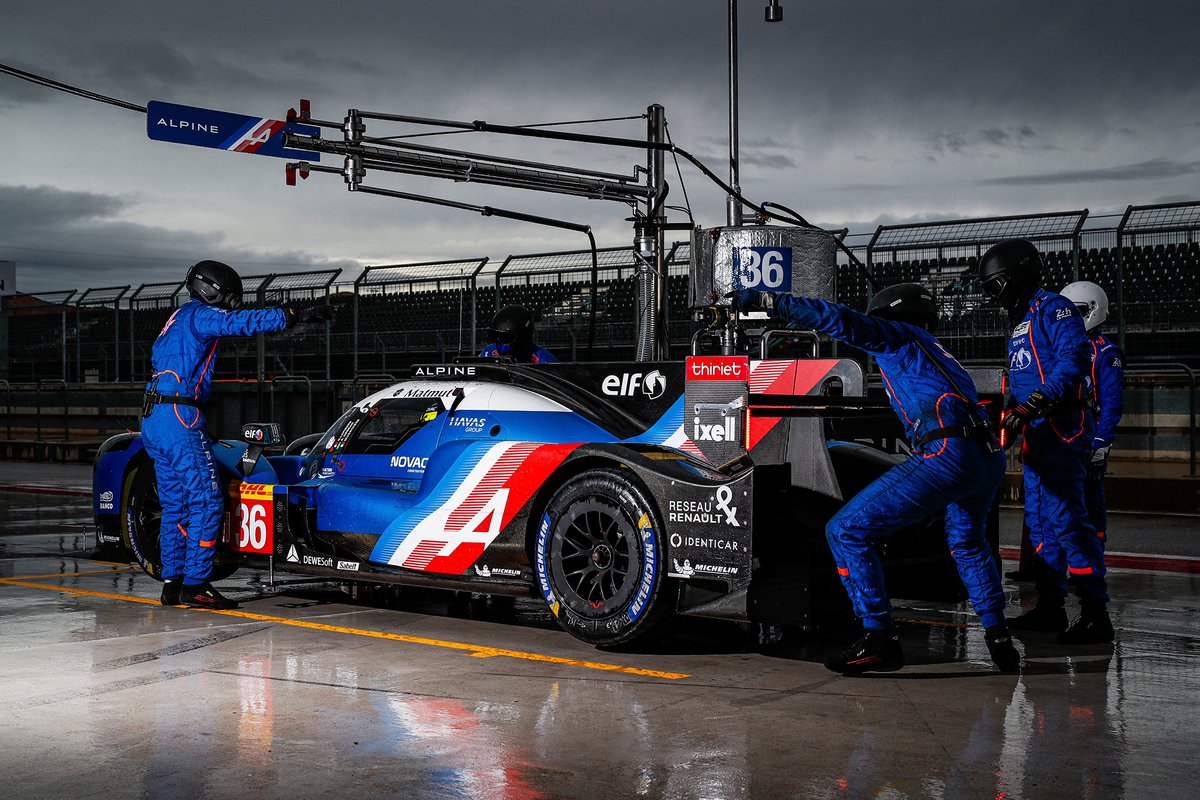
x=905, y=302
x=512, y=329
x=215, y=284
x=1010, y=271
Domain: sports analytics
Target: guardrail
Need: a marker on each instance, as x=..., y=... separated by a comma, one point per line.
x=37, y=398
x=1157, y=367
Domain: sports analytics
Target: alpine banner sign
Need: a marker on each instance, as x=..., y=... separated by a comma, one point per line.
x=203, y=127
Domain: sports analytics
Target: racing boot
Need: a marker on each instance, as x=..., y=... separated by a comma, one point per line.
x=1092, y=627
x=1045, y=617
x=170, y=592
x=203, y=595
x=1001, y=648
x=877, y=651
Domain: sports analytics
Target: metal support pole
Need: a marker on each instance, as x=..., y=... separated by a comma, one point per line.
x=733, y=207
x=657, y=122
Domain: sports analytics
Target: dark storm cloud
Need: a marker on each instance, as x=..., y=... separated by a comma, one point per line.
x=25, y=207
x=1016, y=138
x=1154, y=169
x=63, y=240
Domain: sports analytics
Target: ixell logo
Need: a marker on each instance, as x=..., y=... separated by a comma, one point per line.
x=726, y=430
x=629, y=384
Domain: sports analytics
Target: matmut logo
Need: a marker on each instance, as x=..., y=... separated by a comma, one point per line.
x=718, y=368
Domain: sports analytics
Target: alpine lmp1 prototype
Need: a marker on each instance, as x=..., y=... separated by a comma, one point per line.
x=622, y=494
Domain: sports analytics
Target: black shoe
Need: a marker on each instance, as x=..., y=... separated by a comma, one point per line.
x=170, y=592
x=205, y=596
x=1021, y=575
x=1050, y=619
x=878, y=651
x=1003, y=651
x=1092, y=627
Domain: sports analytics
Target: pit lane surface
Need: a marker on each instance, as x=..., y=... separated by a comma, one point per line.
x=305, y=694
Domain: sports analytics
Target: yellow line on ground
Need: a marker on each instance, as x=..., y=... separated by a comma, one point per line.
x=67, y=574
x=477, y=651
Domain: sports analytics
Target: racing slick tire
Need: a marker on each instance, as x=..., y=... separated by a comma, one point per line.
x=599, y=561
x=140, y=520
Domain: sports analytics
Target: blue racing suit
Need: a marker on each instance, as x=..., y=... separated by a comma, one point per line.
x=1048, y=351
x=1108, y=388
x=953, y=472
x=539, y=355
x=176, y=436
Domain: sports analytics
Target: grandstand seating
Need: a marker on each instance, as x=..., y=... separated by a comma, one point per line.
x=1161, y=293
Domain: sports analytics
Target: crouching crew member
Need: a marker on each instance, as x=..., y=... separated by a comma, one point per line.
x=1049, y=357
x=956, y=465
x=1108, y=388
x=175, y=431
x=511, y=336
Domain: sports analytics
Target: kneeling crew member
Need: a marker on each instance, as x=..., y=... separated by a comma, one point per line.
x=175, y=431
x=956, y=465
x=511, y=335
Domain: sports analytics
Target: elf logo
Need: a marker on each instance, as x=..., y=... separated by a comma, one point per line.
x=629, y=384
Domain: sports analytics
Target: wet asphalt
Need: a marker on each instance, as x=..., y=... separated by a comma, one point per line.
x=305, y=692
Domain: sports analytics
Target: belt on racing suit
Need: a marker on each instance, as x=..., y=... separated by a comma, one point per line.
x=152, y=399
x=981, y=433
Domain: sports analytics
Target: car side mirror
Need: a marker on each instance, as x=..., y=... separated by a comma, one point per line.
x=259, y=435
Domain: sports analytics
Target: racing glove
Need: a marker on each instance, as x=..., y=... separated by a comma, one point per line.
x=752, y=300
x=1035, y=406
x=307, y=315
x=1098, y=464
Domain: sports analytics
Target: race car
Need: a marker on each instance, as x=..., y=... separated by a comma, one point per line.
x=623, y=494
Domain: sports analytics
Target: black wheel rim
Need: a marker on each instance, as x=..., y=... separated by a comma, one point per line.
x=595, y=558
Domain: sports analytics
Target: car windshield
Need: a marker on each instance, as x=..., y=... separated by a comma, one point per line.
x=383, y=427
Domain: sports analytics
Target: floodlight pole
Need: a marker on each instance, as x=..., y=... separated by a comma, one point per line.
x=733, y=206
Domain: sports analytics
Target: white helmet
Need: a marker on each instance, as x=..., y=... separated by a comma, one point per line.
x=1091, y=301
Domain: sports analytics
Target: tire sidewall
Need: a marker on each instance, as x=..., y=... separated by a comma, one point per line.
x=134, y=492
x=143, y=544
x=644, y=609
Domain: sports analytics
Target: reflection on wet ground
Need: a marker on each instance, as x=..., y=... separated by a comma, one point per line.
x=306, y=693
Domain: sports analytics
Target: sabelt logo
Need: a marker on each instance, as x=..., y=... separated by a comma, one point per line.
x=628, y=384
x=718, y=368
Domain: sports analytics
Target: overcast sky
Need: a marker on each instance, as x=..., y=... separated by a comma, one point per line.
x=852, y=112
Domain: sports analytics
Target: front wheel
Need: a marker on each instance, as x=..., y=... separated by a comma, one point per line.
x=599, y=561
x=142, y=519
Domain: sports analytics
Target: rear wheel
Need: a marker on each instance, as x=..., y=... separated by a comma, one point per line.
x=599, y=561
x=143, y=518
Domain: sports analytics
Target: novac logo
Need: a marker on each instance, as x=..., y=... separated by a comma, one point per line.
x=627, y=384
x=409, y=462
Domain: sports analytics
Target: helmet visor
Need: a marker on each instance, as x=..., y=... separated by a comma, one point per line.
x=994, y=285
x=504, y=337
x=1084, y=309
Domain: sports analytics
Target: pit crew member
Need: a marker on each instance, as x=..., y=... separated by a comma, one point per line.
x=511, y=336
x=956, y=464
x=1049, y=358
x=1108, y=387
x=175, y=431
